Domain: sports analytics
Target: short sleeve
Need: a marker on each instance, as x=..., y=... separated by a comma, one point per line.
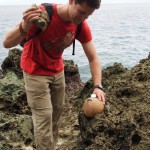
x=85, y=35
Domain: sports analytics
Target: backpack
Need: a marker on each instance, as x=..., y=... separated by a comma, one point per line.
x=49, y=9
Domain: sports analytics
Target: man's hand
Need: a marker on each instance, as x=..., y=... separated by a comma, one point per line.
x=100, y=94
x=29, y=16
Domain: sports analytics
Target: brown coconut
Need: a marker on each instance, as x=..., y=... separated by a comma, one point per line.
x=92, y=106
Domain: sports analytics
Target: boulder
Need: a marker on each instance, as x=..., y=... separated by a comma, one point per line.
x=16, y=129
x=125, y=122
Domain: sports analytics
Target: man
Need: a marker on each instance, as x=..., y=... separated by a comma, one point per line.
x=43, y=66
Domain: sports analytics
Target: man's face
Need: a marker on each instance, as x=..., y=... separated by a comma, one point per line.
x=79, y=12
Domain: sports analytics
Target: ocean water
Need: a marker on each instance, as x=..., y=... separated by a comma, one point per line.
x=121, y=33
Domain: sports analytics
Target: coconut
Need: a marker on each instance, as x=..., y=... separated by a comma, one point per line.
x=92, y=106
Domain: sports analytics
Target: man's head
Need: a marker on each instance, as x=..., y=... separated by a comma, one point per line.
x=79, y=10
x=91, y=3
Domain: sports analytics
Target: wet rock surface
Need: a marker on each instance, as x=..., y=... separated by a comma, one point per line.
x=124, y=124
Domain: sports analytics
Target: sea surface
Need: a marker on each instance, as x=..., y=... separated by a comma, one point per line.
x=121, y=33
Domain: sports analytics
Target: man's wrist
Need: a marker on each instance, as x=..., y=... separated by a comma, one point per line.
x=23, y=32
x=99, y=86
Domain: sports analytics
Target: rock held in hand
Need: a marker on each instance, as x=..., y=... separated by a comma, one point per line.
x=43, y=20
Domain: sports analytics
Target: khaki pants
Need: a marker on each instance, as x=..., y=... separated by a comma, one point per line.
x=45, y=96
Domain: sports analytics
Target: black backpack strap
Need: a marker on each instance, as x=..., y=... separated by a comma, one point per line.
x=49, y=9
x=78, y=32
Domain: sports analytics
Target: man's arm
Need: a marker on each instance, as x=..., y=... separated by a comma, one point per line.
x=13, y=38
x=95, y=68
x=17, y=34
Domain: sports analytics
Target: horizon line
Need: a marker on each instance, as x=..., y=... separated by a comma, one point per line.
x=101, y=3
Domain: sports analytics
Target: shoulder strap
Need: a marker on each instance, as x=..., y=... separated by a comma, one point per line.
x=78, y=32
x=49, y=9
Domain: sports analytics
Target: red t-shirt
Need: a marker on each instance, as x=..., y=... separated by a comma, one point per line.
x=42, y=55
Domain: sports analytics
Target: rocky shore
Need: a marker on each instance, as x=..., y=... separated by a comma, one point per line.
x=123, y=125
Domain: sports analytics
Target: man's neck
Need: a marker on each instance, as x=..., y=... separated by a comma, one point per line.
x=63, y=12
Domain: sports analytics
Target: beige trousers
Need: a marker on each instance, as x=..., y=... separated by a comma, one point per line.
x=45, y=96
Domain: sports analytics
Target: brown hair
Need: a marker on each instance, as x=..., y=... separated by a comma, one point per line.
x=91, y=3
